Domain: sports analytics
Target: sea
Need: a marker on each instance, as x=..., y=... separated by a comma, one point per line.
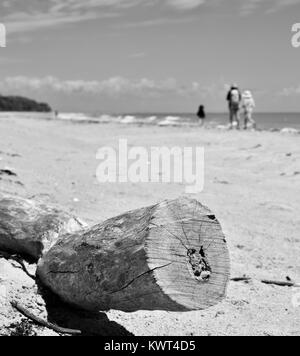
x=265, y=121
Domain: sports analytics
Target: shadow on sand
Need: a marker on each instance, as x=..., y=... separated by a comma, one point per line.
x=89, y=323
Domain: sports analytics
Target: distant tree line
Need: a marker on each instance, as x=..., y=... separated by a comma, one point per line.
x=18, y=103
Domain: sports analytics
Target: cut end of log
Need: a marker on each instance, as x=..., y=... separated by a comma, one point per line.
x=187, y=235
x=171, y=256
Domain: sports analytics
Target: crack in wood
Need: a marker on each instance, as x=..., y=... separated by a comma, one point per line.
x=141, y=275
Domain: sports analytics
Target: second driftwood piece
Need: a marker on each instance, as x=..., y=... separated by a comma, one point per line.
x=171, y=256
x=29, y=228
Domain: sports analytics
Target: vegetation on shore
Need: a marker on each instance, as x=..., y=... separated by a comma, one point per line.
x=18, y=103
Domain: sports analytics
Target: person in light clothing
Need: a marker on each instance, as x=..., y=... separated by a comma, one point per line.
x=248, y=105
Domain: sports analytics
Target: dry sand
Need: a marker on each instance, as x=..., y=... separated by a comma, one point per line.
x=251, y=183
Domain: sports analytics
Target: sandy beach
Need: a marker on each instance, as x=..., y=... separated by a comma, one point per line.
x=251, y=184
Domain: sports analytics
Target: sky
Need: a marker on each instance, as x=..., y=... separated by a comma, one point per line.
x=114, y=56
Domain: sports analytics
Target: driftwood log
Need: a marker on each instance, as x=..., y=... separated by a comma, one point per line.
x=29, y=228
x=171, y=256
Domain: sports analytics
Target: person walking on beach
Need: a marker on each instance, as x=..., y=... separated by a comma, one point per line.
x=234, y=98
x=201, y=114
x=248, y=105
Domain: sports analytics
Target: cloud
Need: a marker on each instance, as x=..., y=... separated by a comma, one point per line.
x=20, y=16
x=123, y=4
x=252, y=6
x=24, y=16
x=155, y=22
x=292, y=91
x=27, y=23
x=186, y=4
x=114, y=87
x=280, y=4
